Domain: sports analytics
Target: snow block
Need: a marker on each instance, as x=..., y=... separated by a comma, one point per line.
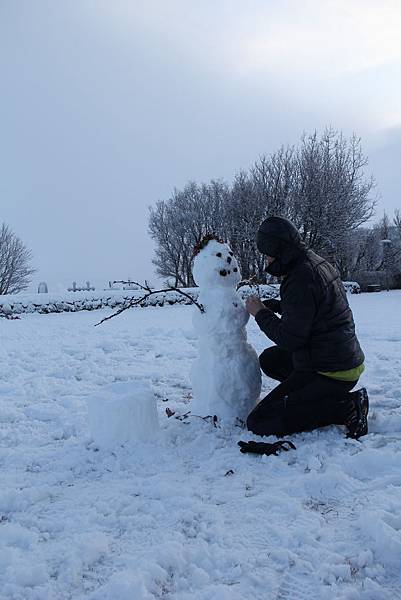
x=122, y=412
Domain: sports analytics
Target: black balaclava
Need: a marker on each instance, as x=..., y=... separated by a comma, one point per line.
x=278, y=237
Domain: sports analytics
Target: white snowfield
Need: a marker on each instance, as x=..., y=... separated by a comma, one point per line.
x=185, y=515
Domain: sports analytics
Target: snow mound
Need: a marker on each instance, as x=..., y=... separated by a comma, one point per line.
x=122, y=412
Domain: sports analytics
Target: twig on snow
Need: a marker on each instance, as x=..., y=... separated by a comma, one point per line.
x=208, y=418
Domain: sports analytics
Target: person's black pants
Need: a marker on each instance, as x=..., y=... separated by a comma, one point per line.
x=304, y=400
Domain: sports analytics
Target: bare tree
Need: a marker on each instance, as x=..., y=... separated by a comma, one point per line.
x=15, y=262
x=384, y=226
x=321, y=186
x=170, y=249
x=360, y=251
x=179, y=223
x=274, y=178
x=397, y=221
x=243, y=213
x=333, y=194
x=389, y=240
x=373, y=255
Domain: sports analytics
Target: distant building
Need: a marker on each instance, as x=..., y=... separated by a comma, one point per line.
x=87, y=288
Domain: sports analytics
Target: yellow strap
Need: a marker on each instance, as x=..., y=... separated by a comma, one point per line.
x=348, y=375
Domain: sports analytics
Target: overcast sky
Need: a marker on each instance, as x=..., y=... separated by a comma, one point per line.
x=106, y=106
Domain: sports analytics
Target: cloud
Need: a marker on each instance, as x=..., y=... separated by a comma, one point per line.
x=334, y=56
x=314, y=36
x=328, y=38
x=106, y=106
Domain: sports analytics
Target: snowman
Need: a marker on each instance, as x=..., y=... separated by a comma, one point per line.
x=226, y=378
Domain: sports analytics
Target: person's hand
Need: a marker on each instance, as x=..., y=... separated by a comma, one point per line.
x=273, y=304
x=253, y=305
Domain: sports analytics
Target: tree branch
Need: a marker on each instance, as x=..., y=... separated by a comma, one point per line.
x=149, y=292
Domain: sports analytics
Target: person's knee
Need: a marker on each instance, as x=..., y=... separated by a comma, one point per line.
x=276, y=363
x=262, y=357
x=266, y=354
x=266, y=359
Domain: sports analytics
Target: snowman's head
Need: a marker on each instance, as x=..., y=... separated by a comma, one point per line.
x=216, y=266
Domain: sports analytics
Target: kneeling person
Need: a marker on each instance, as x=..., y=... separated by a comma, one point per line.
x=317, y=357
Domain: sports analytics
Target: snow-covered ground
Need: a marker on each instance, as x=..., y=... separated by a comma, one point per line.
x=186, y=515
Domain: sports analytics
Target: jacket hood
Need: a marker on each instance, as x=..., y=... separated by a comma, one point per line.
x=278, y=237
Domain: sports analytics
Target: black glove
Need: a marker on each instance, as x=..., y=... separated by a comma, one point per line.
x=265, y=448
x=273, y=304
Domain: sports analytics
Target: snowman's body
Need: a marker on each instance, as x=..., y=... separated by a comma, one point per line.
x=226, y=377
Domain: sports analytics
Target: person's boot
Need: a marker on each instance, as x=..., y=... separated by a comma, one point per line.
x=357, y=418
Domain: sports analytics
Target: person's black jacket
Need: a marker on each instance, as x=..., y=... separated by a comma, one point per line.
x=316, y=325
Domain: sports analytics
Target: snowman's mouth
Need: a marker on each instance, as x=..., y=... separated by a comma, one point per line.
x=223, y=272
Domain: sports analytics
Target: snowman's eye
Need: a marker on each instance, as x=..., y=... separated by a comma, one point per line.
x=231, y=253
x=218, y=254
x=235, y=269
